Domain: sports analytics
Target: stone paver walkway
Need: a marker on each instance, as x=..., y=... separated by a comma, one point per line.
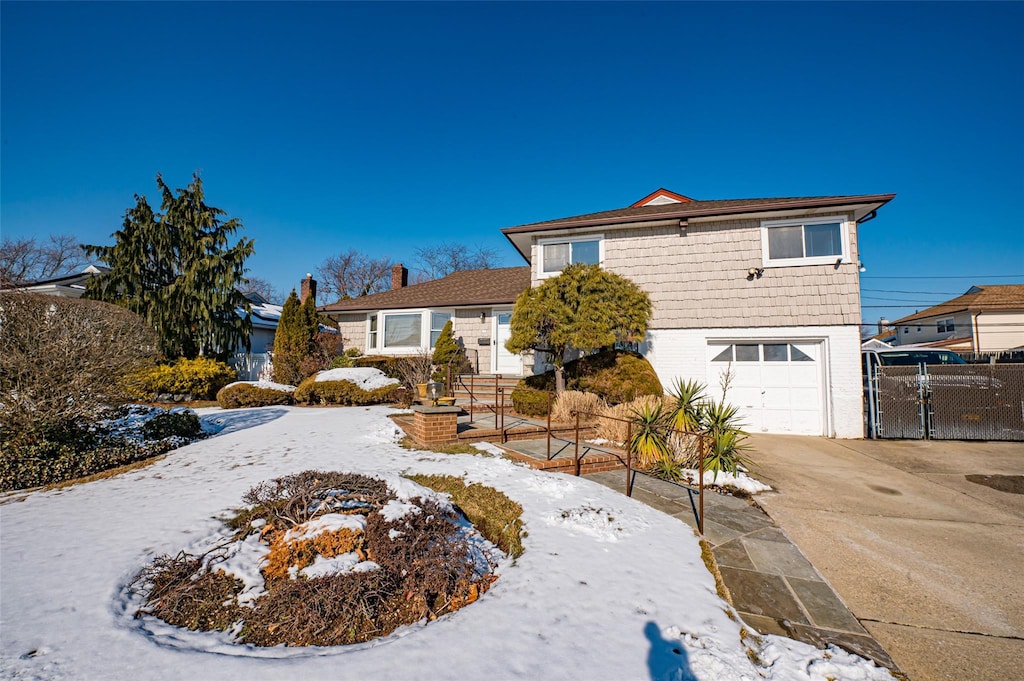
x=774, y=587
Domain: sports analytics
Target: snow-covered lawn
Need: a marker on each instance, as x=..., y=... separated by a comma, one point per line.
x=606, y=589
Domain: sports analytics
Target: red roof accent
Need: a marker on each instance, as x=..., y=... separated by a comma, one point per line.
x=661, y=192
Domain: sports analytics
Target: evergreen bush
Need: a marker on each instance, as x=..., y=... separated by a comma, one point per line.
x=448, y=352
x=249, y=395
x=346, y=393
x=201, y=378
x=529, y=401
x=172, y=424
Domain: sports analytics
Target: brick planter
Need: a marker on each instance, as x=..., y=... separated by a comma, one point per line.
x=434, y=425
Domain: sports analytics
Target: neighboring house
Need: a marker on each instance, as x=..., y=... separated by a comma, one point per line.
x=987, y=318
x=66, y=286
x=760, y=293
x=408, y=319
x=265, y=315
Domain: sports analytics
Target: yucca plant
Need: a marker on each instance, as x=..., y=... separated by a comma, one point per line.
x=726, y=447
x=686, y=397
x=668, y=468
x=727, y=452
x=650, y=439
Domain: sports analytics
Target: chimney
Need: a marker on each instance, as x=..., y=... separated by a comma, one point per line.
x=399, y=277
x=308, y=289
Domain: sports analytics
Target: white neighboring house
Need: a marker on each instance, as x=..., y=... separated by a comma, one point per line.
x=65, y=286
x=987, y=318
x=762, y=292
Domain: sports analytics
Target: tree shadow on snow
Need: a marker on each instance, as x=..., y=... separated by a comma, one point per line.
x=233, y=421
x=667, y=660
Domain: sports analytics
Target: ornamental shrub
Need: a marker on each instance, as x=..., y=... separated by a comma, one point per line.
x=448, y=352
x=172, y=424
x=249, y=395
x=201, y=378
x=616, y=376
x=346, y=393
x=391, y=366
x=529, y=401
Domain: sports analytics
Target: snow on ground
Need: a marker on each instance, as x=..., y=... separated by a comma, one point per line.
x=366, y=378
x=269, y=385
x=607, y=589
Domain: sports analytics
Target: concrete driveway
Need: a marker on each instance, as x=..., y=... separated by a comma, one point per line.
x=931, y=563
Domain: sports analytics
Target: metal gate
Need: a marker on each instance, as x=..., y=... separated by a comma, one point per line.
x=947, y=402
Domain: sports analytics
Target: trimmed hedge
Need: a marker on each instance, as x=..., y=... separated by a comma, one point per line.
x=616, y=376
x=311, y=391
x=201, y=378
x=529, y=401
x=391, y=366
x=248, y=395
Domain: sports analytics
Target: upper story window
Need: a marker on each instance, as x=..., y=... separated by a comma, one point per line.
x=811, y=241
x=555, y=254
x=945, y=326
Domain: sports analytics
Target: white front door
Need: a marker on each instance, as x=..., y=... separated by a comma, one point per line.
x=776, y=385
x=504, y=362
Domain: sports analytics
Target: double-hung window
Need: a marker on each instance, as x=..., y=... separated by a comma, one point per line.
x=556, y=254
x=945, y=326
x=812, y=241
x=437, y=322
x=371, y=338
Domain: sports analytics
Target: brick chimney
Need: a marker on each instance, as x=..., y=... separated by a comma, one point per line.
x=399, y=277
x=308, y=288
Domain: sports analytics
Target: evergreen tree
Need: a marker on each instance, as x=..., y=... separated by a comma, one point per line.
x=585, y=308
x=177, y=270
x=447, y=351
x=291, y=342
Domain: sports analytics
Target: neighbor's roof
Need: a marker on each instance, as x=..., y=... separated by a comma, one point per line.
x=690, y=208
x=977, y=299
x=459, y=289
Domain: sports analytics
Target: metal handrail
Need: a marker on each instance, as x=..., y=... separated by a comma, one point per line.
x=702, y=447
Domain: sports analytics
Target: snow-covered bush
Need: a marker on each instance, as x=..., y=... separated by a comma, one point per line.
x=257, y=394
x=354, y=386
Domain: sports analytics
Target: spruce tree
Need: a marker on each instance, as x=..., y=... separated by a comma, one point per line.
x=178, y=271
x=584, y=308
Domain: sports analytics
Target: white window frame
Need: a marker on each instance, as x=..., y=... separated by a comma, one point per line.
x=844, y=236
x=541, y=243
x=425, y=323
x=947, y=325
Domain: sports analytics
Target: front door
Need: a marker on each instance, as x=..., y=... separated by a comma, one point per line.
x=504, y=361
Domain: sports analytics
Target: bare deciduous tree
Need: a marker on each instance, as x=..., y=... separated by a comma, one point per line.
x=28, y=259
x=353, y=274
x=443, y=259
x=63, y=358
x=264, y=288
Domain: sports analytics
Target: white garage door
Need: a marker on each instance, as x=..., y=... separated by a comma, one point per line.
x=777, y=386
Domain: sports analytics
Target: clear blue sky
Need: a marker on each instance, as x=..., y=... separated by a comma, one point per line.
x=385, y=127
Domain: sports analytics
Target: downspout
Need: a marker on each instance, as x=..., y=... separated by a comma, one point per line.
x=976, y=331
x=867, y=218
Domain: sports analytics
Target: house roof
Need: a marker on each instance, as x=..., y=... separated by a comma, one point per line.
x=691, y=209
x=459, y=289
x=977, y=299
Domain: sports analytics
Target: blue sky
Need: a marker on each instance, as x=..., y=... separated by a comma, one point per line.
x=390, y=126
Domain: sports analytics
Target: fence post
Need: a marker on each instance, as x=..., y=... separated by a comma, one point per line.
x=549, y=426
x=577, y=438
x=501, y=407
x=700, y=486
x=629, y=459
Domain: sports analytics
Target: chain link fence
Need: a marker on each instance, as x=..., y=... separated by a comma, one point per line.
x=948, y=402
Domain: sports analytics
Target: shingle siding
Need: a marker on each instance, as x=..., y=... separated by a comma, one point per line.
x=699, y=279
x=353, y=330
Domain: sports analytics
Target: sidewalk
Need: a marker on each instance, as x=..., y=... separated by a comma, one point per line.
x=774, y=588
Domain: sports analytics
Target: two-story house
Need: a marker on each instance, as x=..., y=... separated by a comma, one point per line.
x=987, y=318
x=759, y=295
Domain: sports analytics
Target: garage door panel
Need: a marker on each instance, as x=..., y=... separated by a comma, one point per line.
x=781, y=392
